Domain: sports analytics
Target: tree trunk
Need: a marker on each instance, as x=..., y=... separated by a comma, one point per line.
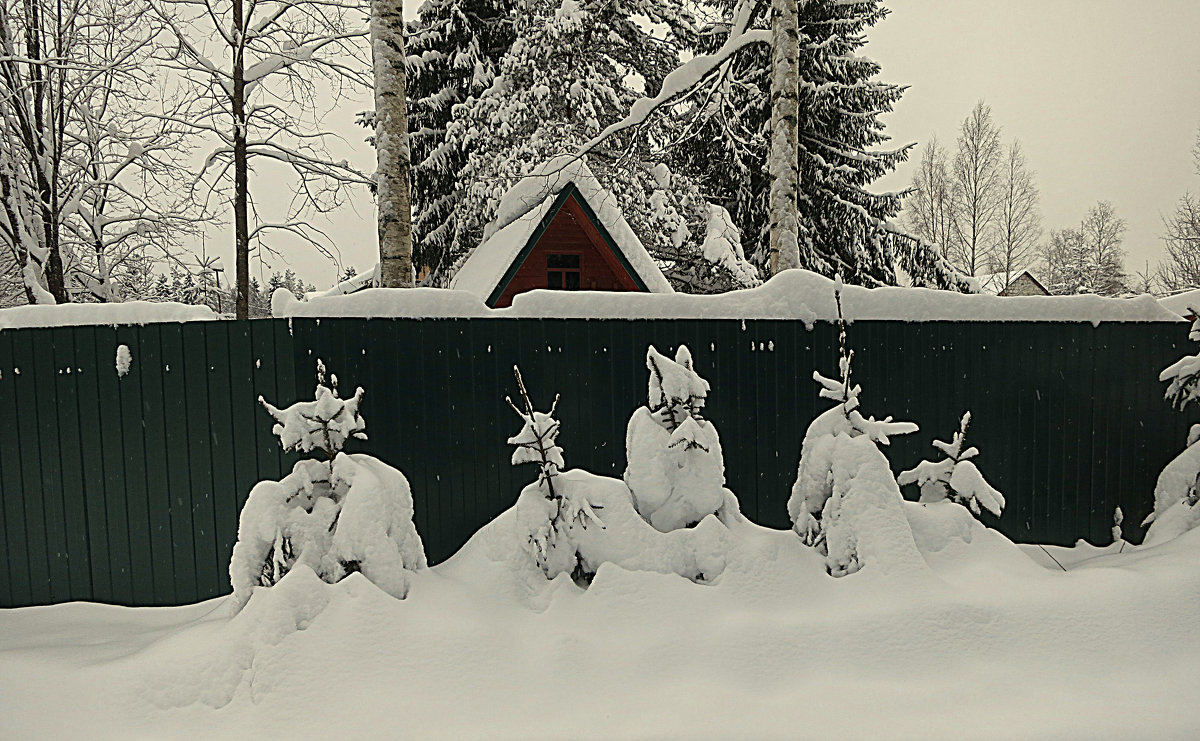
x=783, y=165
x=391, y=145
x=241, y=187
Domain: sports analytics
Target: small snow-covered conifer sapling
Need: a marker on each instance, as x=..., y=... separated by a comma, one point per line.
x=1178, y=489
x=349, y=513
x=955, y=477
x=561, y=508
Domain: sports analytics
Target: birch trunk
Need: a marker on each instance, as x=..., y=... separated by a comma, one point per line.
x=391, y=145
x=783, y=165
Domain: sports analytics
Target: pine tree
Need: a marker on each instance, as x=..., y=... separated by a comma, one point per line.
x=845, y=227
x=453, y=49
x=955, y=477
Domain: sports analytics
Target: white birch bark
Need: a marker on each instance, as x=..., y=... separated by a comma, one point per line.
x=391, y=145
x=783, y=163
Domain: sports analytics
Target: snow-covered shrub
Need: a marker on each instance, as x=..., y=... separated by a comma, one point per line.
x=955, y=477
x=571, y=522
x=819, y=508
x=348, y=513
x=551, y=516
x=675, y=468
x=324, y=424
x=1178, y=488
x=1118, y=518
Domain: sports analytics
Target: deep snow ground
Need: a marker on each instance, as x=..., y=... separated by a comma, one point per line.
x=986, y=643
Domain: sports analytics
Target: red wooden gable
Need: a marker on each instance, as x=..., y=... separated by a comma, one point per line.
x=571, y=232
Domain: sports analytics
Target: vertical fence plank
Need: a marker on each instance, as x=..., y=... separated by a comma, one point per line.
x=20, y=551
x=103, y=570
x=116, y=519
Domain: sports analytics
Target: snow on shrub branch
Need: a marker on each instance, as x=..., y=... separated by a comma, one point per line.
x=1177, y=491
x=955, y=477
x=845, y=501
x=346, y=514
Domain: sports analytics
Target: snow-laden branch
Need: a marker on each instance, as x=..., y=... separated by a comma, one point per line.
x=684, y=79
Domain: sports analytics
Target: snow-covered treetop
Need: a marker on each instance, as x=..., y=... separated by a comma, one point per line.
x=536, y=442
x=322, y=424
x=955, y=477
x=677, y=393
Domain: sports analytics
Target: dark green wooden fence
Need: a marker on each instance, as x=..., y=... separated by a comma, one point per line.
x=127, y=490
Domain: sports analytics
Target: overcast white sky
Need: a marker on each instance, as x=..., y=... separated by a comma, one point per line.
x=1103, y=94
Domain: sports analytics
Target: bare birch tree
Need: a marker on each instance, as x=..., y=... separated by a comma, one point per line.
x=976, y=187
x=929, y=211
x=1181, y=239
x=1019, y=220
x=256, y=69
x=784, y=160
x=392, y=176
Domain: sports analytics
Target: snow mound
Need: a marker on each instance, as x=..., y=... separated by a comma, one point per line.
x=77, y=315
x=615, y=534
x=793, y=294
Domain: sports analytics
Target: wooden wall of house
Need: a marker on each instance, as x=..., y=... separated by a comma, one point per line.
x=570, y=233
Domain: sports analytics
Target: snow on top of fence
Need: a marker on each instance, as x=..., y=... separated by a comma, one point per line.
x=794, y=294
x=132, y=312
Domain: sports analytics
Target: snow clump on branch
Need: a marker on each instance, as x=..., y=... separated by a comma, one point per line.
x=955, y=477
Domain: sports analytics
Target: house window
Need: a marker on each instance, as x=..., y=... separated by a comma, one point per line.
x=562, y=272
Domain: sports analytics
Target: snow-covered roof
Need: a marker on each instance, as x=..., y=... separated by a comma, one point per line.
x=993, y=283
x=793, y=294
x=521, y=212
x=130, y=312
x=1181, y=303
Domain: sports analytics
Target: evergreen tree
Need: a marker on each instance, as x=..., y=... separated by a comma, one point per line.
x=845, y=228
x=453, y=49
x=574, y=68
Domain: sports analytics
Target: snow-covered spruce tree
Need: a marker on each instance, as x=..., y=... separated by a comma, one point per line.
x=845, y=228
x=955, y=477
x=845, y=500
x=675, y=469
x=551, y=518
x=573, y=68
x=344, y=514
x=453, y=50
x=1178, y=489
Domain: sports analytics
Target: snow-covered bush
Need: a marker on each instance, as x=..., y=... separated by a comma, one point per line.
x=675, y=468
x=1178, y=488
x=837, y=477
x=558, y=510
x=571, y=522
x=348, y=513
x=955, y=477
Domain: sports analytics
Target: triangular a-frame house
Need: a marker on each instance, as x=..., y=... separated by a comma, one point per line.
x=558, y=229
